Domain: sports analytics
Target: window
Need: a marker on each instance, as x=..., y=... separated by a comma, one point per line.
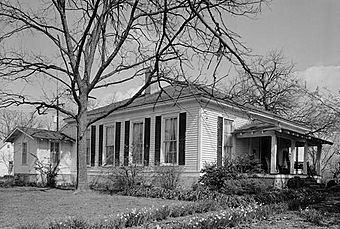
x=228, y=138
x=109, y=145
x=88, y=155
x=137, y=143
x=170, y=140
x=24, y=153
x=55, y=152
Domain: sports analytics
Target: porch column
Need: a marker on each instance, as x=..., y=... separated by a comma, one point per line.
x=292, y=153
x=318, y=159
x=273, y=154
x=250, y=148
x=305, y=158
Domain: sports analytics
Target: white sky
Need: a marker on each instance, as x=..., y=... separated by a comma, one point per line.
x=307, y=31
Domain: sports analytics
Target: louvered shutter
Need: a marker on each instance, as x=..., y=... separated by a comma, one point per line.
x=117, y=143
x=147, y=141
x=126, y=142
x=182, y=130
x=219, y=140
x=158, y=131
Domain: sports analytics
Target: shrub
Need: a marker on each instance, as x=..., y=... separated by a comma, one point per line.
x=126, y=177
x=167, y=176
x=233, y=176
x=244, y=186
x=295, y=183
x=7, y=181
x=48, y=171
x=331, y=183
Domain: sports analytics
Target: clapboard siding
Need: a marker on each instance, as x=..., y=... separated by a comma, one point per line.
x=191, y=141
x=209, y=118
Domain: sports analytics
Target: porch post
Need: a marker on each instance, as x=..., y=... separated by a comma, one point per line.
x=305, y=158
x=292, y=153
x=318, y=161
x=273, y=154
x=250, y=149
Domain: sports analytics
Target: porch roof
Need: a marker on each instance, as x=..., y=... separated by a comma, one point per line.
x=259, y=128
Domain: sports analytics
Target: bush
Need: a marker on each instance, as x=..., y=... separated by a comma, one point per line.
x=167, y=176
x=233, y=177
x=126, y=177
x=295, y=183
x=331, y=183
x=7, y=181
x=244, y=186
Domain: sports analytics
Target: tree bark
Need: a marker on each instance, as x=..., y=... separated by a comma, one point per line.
x=82, y=183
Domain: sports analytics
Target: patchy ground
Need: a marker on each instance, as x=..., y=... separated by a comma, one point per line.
x=327, y=211
x=22, y=205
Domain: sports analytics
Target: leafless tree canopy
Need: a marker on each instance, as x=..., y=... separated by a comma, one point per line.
x=9, y=119
x=271, y=84
x=95, y=44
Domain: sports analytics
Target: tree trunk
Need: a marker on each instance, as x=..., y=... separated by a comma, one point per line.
x=82, y=184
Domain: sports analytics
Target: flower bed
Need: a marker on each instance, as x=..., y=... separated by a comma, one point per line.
x=215, y=217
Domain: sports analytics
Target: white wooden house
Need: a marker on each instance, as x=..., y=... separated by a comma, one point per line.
x=37, y=146
x=6, y=159
x=188, y=127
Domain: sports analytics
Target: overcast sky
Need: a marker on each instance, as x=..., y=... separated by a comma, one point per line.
x=308, y=32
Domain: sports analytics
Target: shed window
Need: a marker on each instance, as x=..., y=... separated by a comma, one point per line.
x=55, y=152
x=24, y=153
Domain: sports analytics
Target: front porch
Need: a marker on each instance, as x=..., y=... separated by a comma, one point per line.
x=282, y=153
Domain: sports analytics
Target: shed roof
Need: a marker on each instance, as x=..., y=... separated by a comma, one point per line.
x=37, y=133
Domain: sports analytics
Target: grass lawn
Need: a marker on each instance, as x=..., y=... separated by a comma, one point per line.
x=22, y=205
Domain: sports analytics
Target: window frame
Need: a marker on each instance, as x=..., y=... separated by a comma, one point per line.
x=132, y=123
x=52, y=153
x=227, y=150
x=22, y=153
x=113, y=145
x=162, y=153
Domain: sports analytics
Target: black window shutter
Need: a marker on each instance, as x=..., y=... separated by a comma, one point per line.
x=158, y=140
x=100, y=152
x=126, y=143
x=182, y=129
x=93, y=145
x=117, y=143
x=147, y=141
x=219, y=140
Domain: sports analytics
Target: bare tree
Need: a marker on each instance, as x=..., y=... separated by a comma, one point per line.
x=320, y=111
x=6, y=158
x=96, y=44
x=271, y=84
x=9, y=119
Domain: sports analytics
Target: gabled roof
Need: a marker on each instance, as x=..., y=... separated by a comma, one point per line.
x=183, y=90
x=173, y=92
x=37, y=133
